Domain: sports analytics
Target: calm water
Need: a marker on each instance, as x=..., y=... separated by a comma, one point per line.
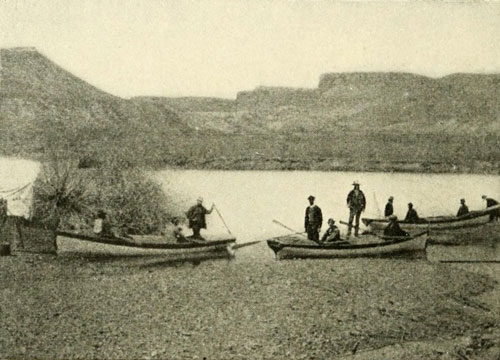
x=250, y=200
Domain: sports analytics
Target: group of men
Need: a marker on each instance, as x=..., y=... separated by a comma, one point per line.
x=356, y=202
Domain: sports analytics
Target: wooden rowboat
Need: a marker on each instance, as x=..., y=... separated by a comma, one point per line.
x=294, y=247
x=474, y=218
x=72, y=243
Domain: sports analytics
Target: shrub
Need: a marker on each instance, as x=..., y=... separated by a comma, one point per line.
x=69, y=198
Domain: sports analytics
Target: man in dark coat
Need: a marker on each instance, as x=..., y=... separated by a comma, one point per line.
x=463, y=210
x=389, y=209
x=393, y=229
x=313, y=220
x=411, y=215
x=494, y=214
x=196, y=216
x=356, y=202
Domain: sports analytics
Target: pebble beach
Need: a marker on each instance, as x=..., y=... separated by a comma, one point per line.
x=251, y=307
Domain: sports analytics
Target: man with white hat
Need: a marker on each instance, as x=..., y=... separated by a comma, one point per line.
x=196, y=216
x=356, y=202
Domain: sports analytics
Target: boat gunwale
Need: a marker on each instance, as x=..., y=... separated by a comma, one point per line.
x=437, y=219
x=118, y=241
x=277, y=245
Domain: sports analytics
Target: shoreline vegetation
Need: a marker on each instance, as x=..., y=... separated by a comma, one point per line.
x=68, y=197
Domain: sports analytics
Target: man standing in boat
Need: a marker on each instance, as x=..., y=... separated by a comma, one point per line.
x=196, y=216
x=463, y=210
x=494, y=214
x=389, y=209
x=356, y=202
x=313, y=220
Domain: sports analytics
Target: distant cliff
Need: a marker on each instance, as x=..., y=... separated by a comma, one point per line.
x=43, y=107
x=350, y=121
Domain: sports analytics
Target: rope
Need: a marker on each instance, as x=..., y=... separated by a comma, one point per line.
x=15, y=190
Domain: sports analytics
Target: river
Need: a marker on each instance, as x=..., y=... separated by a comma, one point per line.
x=250, y=200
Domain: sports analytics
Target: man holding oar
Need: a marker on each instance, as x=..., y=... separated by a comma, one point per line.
x=196, y=216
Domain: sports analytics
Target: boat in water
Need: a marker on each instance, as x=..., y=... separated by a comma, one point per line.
x=437, y=223
x=296, y=246
x=73, y=243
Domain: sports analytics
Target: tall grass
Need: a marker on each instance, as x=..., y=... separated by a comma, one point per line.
x=67, y=197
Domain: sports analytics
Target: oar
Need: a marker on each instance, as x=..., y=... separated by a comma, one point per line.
x=220, y=215
x=354, y=226
x=289, y=229
x=250, y=243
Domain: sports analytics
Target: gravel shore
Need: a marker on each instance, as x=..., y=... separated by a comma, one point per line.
x=250, y=308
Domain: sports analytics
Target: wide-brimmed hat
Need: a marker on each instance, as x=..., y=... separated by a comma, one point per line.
x=311, y=197
x=356, y=183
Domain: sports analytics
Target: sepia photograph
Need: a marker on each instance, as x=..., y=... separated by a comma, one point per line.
x=241, y=179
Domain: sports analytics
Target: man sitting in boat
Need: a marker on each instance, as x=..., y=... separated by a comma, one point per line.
x=177, y=231
x=463, y=210
x=393, y=229
x=411, y=215
x=102, y=226
x=494, y=214
x=196, y=216
x=331, y=234
x=389, y=209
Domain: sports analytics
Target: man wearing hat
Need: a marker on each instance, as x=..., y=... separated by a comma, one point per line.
x=494, y=214
x=332, y=233
x=463, y=210
x=356, y=202
x=393, y=229
x=313, y=220
x=411, y=215
x=389, y=209
x=196, y=216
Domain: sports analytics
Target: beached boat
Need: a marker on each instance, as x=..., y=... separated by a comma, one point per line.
x=295, y=246
x=72, y=243
x=437, y=223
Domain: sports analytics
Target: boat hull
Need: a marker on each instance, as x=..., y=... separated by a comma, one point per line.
x=413, y=247
x=439, y=223
x=69, y=244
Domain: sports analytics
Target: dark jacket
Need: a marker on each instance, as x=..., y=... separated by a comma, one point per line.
x=464, y=210
x=196, y=216
x=393, y=229
x=389, y=210
x=316, y=217
x=356, y=203
x=491, y=202
x=412, y=216
x=331, y=234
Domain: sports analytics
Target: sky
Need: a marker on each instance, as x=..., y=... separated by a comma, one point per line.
x=219, y=47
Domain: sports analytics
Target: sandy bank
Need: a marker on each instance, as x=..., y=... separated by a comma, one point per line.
x=136, y=308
